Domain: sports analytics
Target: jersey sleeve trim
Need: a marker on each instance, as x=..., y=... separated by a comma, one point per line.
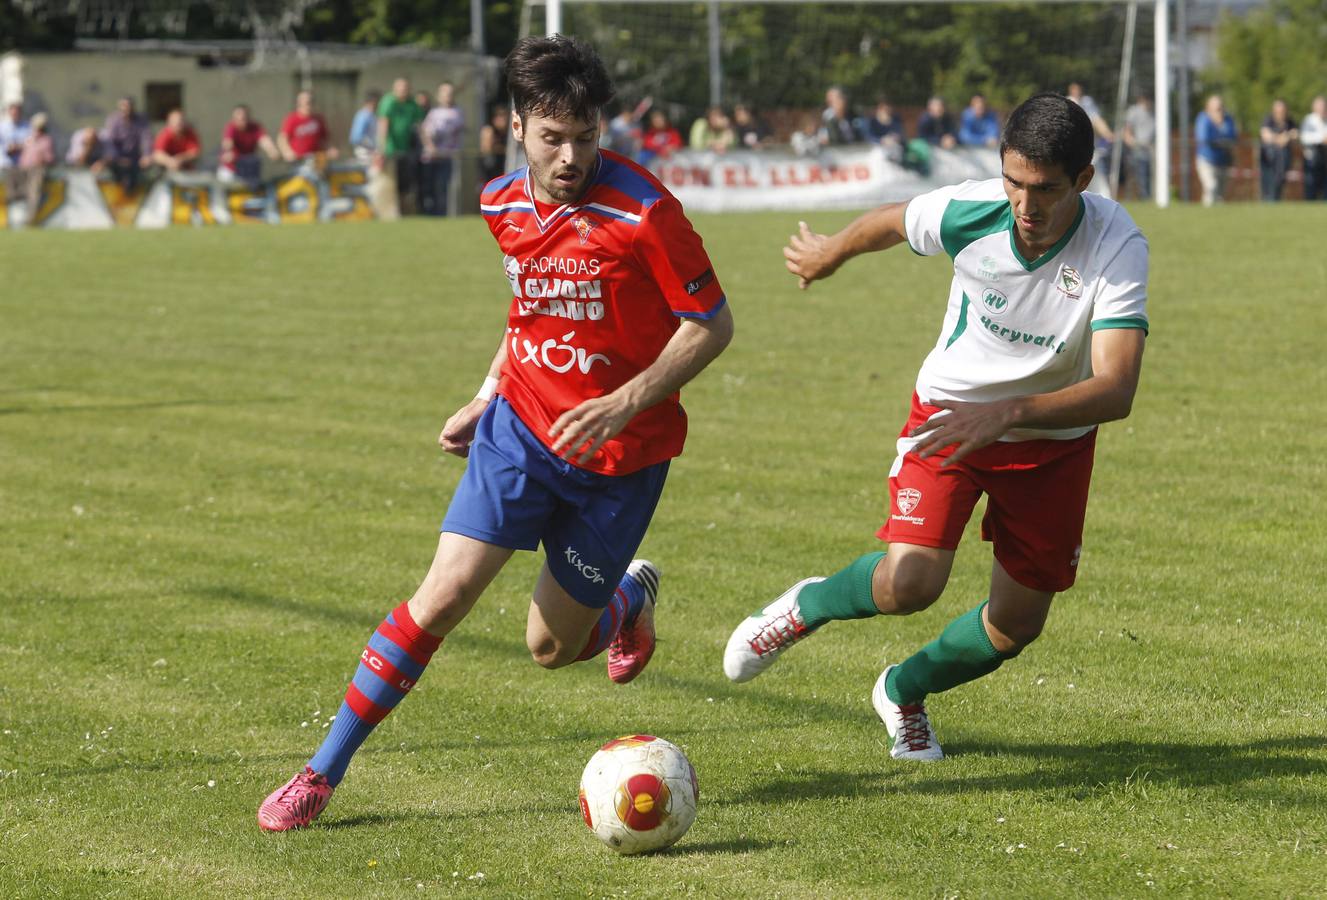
x=705, y=316
x=1121, y=322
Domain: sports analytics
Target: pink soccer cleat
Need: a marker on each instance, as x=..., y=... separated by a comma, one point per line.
x=296, y=803
x=633, y=646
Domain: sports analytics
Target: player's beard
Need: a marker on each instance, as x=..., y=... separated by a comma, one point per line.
x=562, y=191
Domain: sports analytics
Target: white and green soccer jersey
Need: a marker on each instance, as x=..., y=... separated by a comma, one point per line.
x=1016, y=327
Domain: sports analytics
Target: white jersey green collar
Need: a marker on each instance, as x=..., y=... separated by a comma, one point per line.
x=1015, y=326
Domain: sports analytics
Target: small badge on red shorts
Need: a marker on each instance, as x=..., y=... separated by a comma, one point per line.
x=908, y=499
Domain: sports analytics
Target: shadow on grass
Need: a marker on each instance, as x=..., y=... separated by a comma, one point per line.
x=1089, y=769
x=132, y=407
x=367, y=617
x=368, y=820
x=715, y=848
x=1080, y=770
x=795, y=706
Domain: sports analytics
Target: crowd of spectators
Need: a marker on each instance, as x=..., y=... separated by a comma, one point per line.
x=1216, y=136
x=646, y=133
x=419, y=138
x=416, y=137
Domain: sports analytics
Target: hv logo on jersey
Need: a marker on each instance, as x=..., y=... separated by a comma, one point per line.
x=996, y=303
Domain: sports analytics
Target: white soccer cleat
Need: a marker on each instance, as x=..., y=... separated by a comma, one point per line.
x=906, y=724
x=761, y=637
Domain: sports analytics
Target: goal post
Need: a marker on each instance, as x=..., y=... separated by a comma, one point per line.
x=727, y=50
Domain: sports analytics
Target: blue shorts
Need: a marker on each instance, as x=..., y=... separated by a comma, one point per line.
x=516, y=493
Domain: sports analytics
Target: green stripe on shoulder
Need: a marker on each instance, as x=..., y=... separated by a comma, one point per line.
x=965, y=221
x=1122, y=322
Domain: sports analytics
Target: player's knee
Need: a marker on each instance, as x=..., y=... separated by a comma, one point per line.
x=907, y=592
x=438, y=609
x=1011, y=638
x=550, y=653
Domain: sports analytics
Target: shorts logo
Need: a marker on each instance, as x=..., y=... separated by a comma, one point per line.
x=1069, y=282
x=1078, y=552
x=996, y=303
x=591, y=573
x=908, y=499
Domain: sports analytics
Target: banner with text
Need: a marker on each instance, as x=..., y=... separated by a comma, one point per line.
x=835, y=178
x=76, y=198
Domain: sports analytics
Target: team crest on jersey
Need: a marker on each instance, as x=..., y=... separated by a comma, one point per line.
x=1069, y=282
x=583, y=226
x=907, y=500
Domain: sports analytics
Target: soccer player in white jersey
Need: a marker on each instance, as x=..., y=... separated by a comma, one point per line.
x=1042, y=341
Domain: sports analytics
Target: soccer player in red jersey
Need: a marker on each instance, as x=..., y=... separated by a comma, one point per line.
x=615, y=306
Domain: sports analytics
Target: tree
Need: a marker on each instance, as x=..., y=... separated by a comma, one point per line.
x=1274, y=52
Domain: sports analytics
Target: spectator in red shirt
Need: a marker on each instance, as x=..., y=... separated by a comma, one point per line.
x=176, y=148
x=661, y=138
x=240, y=142
x=304, y=132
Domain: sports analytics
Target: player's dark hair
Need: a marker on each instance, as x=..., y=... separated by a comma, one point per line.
x=558, y=77
x=1050, y=128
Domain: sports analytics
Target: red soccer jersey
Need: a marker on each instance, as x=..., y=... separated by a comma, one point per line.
x=306, y=134
x=598, y=289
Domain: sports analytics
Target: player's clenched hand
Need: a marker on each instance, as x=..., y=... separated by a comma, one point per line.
x=586, y=427
x=969, y=426
x=809, y=256
x=459, y=430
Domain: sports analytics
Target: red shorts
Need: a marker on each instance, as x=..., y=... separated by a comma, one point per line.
x=1037, y=494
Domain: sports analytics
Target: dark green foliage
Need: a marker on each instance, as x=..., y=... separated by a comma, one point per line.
x=1278, y=51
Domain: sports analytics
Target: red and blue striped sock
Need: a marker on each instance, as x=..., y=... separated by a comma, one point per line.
x=626, y=604
x=388, y=668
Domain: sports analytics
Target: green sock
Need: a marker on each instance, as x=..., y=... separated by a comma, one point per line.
x=843, y=595
x=963, y=652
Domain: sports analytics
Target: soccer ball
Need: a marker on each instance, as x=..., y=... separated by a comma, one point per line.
x=639, y=793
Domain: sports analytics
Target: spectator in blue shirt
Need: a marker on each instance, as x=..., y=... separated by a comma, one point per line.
x=364, y=127
x=13, y=132
x=1214, y=133
x=978, y=125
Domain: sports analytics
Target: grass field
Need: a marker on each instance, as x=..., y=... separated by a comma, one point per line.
x=218, y=472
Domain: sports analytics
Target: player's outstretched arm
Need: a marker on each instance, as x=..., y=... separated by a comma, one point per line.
x=1117, y=363
x=811, y=256
x=459, y=430
x=692, y=347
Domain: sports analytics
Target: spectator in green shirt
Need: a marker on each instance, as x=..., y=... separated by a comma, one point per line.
x=399, y=117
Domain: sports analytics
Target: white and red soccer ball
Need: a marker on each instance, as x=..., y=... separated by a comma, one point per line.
x=639, y=793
